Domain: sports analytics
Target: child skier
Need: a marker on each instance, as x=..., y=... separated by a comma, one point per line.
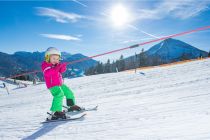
x=52, y=71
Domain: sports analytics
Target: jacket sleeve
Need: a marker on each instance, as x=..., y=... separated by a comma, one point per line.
x=63, y=67
x=48, y=70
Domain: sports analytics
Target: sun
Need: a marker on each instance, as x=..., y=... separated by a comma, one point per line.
x=119, y=15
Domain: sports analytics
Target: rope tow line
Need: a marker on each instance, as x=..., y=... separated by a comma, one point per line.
x=118, y=50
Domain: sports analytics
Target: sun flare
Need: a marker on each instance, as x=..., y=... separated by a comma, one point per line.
x=119, y=15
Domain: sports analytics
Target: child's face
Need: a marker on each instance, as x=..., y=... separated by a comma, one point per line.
x=54, y=59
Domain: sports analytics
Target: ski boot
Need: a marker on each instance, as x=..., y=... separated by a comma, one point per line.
x=57, y=115
x=72, y=106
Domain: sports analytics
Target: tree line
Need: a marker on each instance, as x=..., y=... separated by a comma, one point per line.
x=121, y=64
x=138, y=60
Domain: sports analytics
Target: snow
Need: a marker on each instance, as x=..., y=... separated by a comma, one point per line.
x=164, y=103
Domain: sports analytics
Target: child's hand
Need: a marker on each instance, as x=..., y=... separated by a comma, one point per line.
x=62, y=67
x=57, y=67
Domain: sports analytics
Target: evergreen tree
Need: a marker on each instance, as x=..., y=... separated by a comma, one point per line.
x=121, y=64
x=107, y=67
x=113, y=67
x=142, y=58
x=99, y=68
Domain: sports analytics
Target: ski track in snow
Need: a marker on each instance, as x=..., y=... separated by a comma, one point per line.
x=167, y=103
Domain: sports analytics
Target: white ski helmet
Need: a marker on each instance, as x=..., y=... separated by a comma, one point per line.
x=50, y=51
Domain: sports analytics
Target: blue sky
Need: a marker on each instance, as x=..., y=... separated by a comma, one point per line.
x=92, y=27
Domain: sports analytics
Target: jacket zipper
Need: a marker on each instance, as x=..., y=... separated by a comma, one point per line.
x=51, y=79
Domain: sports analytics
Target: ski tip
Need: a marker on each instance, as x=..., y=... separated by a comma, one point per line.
x=83, y=115
x=96, y=107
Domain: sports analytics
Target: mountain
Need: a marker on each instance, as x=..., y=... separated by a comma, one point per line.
x=163, y=103
x=7, y=64
x=169, y=50
x=21, y=61
x=174, y=50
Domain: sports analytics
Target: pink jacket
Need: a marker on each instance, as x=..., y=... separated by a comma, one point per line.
x=53, y=73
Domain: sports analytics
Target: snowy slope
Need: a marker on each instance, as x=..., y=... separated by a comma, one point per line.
x=153, y=104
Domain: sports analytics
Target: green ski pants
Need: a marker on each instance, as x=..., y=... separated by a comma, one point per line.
x=58, y=93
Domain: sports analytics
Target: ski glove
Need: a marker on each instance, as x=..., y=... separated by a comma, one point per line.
x=61, y=67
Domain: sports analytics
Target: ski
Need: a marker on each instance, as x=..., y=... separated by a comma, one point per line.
x=69, y=118
x=72, y=113
x=84, y=109
x=91, y=108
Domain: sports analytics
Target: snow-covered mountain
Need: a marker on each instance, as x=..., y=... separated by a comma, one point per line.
x=162, y=103
x=167, y=51
x=173, y=50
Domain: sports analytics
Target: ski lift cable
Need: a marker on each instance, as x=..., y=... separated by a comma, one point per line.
x=118, y=50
